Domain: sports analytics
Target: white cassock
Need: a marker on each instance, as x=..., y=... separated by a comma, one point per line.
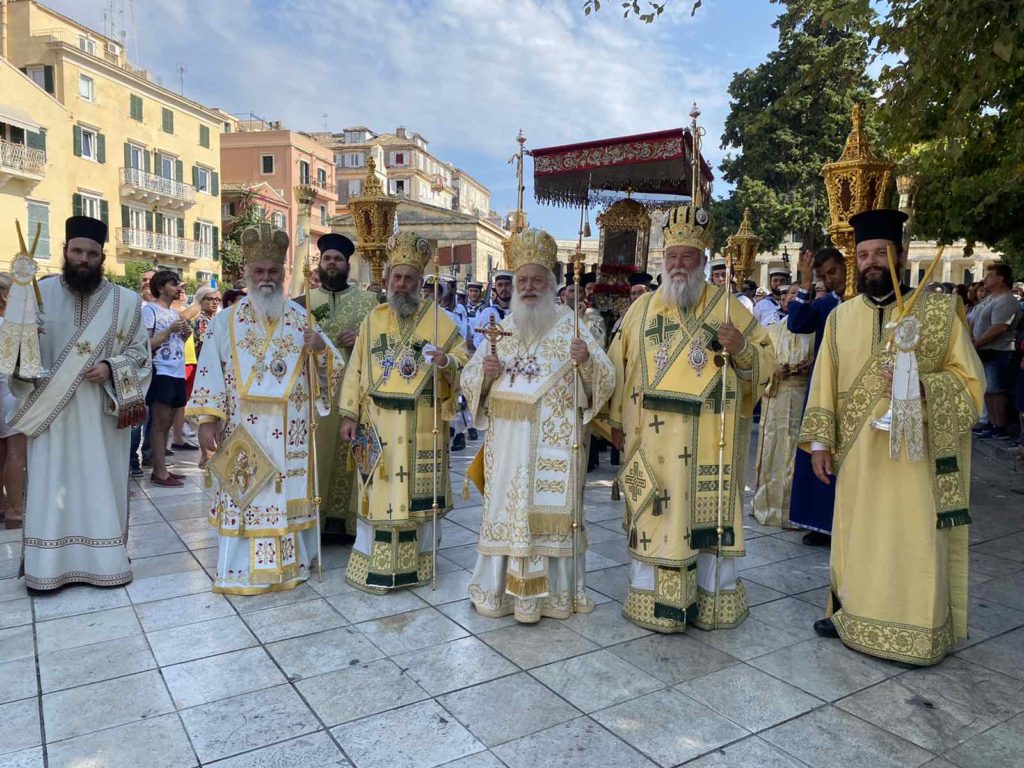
x=76, y=507
x=524, y=563
x=251, y=376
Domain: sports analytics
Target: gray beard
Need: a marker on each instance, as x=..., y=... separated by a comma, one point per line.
x=534, y=322
x=684, y=295
x=403, y=306
x=269, y=305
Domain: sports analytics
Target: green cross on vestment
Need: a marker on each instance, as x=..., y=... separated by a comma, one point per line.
x=660, y=329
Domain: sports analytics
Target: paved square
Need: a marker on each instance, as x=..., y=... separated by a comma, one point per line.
x=164, y=674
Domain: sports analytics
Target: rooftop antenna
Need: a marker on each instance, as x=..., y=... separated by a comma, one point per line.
x=182, y=69
x=324, y=116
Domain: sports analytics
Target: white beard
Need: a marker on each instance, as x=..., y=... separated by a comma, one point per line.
x=533, y=322
x=685, y=293
x=403, y=306
x=267, y=302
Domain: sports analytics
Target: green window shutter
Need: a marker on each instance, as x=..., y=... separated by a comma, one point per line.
x=168, y=121
x=216, y=243
x=158, y=163
x=76, y=204
x=126, y=217
x=101, y=148
x=145, y=161
x=104, y=212
x=36, y=140
x=181, y=227
x=48, y=79
x=195, y=230
x=195, y=177
x=159, y=223
x=204, y=136
x=214, y=183
x=149, y=221
x=135, y=107
x=127, y=155
x=77, y=132
x=179, y=170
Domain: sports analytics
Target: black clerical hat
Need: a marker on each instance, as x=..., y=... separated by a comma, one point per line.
x=335, y=242
x=640, y=278
x=85, y=226
x=880, y=224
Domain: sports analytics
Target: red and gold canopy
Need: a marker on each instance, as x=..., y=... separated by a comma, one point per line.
x=656, y=163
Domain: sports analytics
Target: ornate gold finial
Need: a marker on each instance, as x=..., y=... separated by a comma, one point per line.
x=264, y=242
x=533, y=246
x=625, y=215
x=689, y=225
x=371, y=185
x=409, y=249
x=858, y=181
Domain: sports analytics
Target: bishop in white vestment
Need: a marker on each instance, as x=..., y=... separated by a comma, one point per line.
x=77, y=415
x=252, y=382
x=525, y=389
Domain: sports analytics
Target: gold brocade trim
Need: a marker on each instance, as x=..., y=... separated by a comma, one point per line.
x=819, y=425
x=732, y=608
x=512, y=410
x=639, y=609
x=897, y=642
x=249, y=591
x=549, y=523
x=217, y=413
x=744, y=359
x=520, y=587
x=273, y=576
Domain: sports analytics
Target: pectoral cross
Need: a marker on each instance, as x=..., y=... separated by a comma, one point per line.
x=383, y=351
x=493, y=333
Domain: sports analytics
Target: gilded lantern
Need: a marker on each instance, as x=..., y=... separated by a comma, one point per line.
x=741, y=249
x=373, y=214
x=858, y=181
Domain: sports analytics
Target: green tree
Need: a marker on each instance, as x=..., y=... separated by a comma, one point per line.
x=790, y=115
x=953, y=95
x=248, y=214
x=132, y=277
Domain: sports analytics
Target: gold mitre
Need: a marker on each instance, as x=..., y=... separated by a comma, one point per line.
x=264, y=242
x=689, y=225
x=532, y=246
x=409, y=249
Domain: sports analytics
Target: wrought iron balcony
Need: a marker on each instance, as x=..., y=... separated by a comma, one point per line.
x=18, y=161
x=148, y=187
x=143, y=241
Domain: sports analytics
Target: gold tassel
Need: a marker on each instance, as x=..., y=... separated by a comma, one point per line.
x=382, y=473
x=208, y=479
x=366, y=504
x=465, y=489
x=616, y=493
x=277, y=484
x=350, y=462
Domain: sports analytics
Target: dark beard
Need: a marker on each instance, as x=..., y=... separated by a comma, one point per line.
x=82, y=280
x=876, y=288
x=338, y=282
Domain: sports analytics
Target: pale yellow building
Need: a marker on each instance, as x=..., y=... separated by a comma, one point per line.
x=117, y=146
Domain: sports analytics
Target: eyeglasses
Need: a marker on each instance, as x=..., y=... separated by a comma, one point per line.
x=214, y=299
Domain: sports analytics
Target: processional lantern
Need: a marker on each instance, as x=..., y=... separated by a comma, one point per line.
x=741, y=249
x=858, y=181
x=625, y=227
x=373, y=214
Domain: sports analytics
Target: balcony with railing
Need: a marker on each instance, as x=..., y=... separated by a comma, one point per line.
x=149, y=188
x=106, y=50
x=141, y=241
x=19, y=162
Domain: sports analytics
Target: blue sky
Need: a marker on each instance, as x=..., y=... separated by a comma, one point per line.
x=466, y=74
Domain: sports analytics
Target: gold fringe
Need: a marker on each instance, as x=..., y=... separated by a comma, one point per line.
x=207, y=479
x=382, y=473
x=520, y=587
x=550, y=524
x=512, y=410
x=465, y=489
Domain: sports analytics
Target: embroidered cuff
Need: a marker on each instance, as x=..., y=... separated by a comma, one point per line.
x=744, y=359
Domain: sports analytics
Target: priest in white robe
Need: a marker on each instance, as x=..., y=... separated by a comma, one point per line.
x=78, y=416
x=253, y=386
x=524, y=387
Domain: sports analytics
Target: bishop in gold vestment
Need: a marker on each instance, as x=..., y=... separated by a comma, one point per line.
x=339, y=309
x=900, y=534
x=668, y=410
x=387, y=405
x=524, y=392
